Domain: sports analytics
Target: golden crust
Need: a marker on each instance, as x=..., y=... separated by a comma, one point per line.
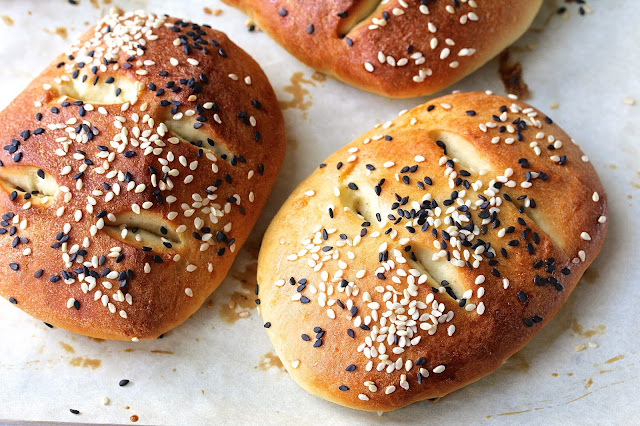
x=399, y=267
x=417, y=50
x=122, y=159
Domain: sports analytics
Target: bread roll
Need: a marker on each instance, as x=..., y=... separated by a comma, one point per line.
x=422, y=255
x=393, y=48
x=133, y=170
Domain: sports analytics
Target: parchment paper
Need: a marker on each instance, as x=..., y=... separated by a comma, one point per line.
x=220, y=368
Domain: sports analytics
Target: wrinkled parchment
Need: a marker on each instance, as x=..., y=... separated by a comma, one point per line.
x=218, y=367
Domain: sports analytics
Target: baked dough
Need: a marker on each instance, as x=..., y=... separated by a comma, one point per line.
x=419, y=257
x=133, y=170
x=396, y=48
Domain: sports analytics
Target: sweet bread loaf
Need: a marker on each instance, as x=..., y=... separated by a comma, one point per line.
x=419, y=257
x=133, y=169
x=394, y=48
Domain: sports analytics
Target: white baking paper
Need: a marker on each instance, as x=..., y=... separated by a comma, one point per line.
x=219, y=368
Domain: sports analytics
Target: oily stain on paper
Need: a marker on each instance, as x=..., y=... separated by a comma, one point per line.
x=579, y=330
x=243, y=299
x=270, y=360
x=301, y=97
x=67, y=347
x=588, y=384
x=591, y=275
x=59, y=31
x=85, y=362
x=517, y=362
x=7, y=20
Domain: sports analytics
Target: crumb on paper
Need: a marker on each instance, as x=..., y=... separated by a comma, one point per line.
x=592, y=345
x=214, y=12
x=7, y=20
x=580, y=348
x=105, y=400
x=554, y=105
x=629, y=101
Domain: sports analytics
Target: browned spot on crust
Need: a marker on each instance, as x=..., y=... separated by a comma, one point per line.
x=134, y=418
x=85, y=362
x=67, y=347
x=301, y=96
x=7, y=20
x=157, y=351
x=578, y=329
x=270, y=360
x=511, y=76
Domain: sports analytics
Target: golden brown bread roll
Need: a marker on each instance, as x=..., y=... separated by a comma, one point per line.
x=133, y=169
x=423, y=254
x=395, y=48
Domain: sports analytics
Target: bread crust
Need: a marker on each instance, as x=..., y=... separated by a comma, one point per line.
x=419, y=49
x=136, y=153
x=472, y=322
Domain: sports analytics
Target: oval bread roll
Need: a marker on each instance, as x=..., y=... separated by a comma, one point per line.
x=394, y=48
x=133, y=170
x=423, y=254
